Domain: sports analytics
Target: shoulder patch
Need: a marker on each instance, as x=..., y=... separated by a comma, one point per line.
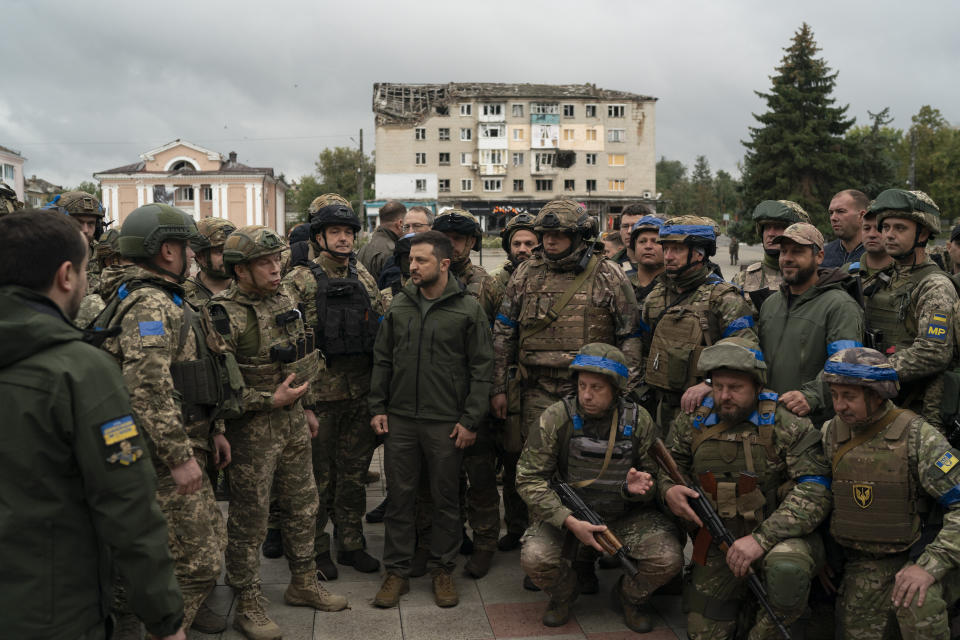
x=151, y=328
x=116, y=430
x=937, y=327
x=753, y=267
x=946, y=462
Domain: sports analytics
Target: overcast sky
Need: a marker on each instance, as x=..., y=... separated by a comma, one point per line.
x=88, y=86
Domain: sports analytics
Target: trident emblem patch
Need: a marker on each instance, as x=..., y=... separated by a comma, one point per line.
x=863, y=495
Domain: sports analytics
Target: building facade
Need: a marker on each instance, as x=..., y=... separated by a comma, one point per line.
x=202, y=182
x=11, y=170
x=499, y=149
x=37, y=192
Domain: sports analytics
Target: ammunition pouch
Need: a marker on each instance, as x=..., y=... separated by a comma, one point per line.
x=198, y=383
x=231, y=383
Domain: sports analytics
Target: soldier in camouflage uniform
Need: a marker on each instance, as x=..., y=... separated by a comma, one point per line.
x=207, y=247
x=889, y=465
x=912, y=308
x=106, y=255
x=519, y=240
x=648, y=252
x=625, y=258
x=341, y=303
x=172, y=380
x=691, y=308
x=763, y=468
x=760, y=279
x=8, y=199
x=87, y=211
x=258, y=326
x=570, y=443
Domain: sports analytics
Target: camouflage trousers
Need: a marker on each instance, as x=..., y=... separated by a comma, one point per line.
x=653, y=540
x=342, y=452
x=270, y=449
x=196, y=536
x=714, y=596
x=864, y=608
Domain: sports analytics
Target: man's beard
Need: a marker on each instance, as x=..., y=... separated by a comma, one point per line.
x=802, y=275
x=736, y=416
x=428, y=282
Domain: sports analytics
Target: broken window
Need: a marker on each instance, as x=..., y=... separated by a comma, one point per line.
x=568, y=185
x=591, y=110
x=565, y=158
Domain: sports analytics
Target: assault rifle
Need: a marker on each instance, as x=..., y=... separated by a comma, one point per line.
x=871, y=338
x=606, y=539
x=715, y=528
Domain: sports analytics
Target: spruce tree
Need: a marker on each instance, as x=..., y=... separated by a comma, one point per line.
x=798, y=150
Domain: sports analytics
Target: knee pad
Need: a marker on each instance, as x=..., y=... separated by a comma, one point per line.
x=788, y=582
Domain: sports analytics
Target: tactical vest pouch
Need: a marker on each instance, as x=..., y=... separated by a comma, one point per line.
x=514, y=391
x=306, y=369
x=346, y=322
x=198, y=383
x=262, y=377
x=231, y=381
x=675, y=350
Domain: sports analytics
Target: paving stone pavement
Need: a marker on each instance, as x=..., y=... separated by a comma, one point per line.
x=495, y=606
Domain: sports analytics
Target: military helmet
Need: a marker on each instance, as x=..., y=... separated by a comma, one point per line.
x=646, y=223
x=249, y=243
x=694, y=231
x=521, y=221
x=734, y=353
x=77, y=203
x=604, y=359
x=149, y=226
x=560, y=215
x=459, y=221
x=785, y=212
x=211, y=233
x=862, y=367
x=108, y=245
x=327, y=199
x=8, y=199
x=911, y=205
x=335, y=213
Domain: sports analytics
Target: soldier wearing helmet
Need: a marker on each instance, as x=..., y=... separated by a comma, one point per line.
x=375, y=253
x=8, y=199
x=628, y=219
x=688, y=310
x=889, y=465
x=207, y=247
x=342, y=305
x=612, y=473
x=772, y=217
x=764, y=469
x=173, y=382
x=257, y=324
x=90, y=214
x=647, y=254
x=912, y=311
x=107, y=256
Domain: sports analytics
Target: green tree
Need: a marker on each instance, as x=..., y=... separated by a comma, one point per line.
x=701, y=182
x=300, y=195
x=90, y=187
x=670, y=173
x=874, y=154
x=673, y=184
x=727, y=193
x=337, y=169
x=798, y=151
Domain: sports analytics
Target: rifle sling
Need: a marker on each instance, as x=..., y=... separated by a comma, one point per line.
x=555, y=310
x=706, y=434
x=609, y=454
x=866, y=435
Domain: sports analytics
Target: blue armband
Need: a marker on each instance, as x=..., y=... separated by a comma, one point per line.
x=825, y=481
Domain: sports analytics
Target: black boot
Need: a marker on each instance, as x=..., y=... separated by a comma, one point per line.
x=586, y=576
x=326, y=570
x=273, y=545
x=359, y=560
x=509, y=542
x=376, y=515
x=466, y=544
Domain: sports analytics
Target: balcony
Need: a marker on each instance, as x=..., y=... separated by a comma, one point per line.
x=544, y=118
x=493, y=169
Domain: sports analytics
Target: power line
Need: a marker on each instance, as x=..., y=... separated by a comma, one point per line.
x=207, y=140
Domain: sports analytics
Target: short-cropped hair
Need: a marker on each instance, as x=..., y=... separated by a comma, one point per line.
x=36, y=242
x=392, y=211
x=442, y=247
x=425, y=211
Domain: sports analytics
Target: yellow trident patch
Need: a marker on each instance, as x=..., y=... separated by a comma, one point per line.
x=863, y=495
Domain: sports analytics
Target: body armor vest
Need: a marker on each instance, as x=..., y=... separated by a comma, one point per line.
x=680, y=334
x=740, y=456
x=585, y=457
x=346, y=323
x=875, y=501
x=888, y=308
x=759, y=276
x=577, y=324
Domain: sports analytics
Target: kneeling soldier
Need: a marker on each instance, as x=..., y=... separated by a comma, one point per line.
x=888, y=466
x=763, y=468
x=596, y=441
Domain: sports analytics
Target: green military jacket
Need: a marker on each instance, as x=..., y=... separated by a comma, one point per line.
x=764, y=274
x=545, y=456
x=791, y=463
x=374, y=254
x=78, y=488
x=433, y=359
x=473, y=277
x=492, y=289
x=799, y=333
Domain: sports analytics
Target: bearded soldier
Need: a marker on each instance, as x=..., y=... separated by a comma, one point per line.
x=889, y=465
x=596, y=440
x=207, y=247
x=764, y=469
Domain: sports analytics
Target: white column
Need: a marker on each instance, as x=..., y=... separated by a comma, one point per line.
x=249, y=204
x=215, y=188
x=115, y=203
x=149, y=193
x=258, y=202
x=196, y=201
x=281, y=206
x=141, y=197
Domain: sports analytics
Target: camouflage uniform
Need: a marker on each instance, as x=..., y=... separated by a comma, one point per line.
x=686, y=312
x=152, y=346
x=883, y=486
x=213, y=233
x=789, y=501
x=914, y=312
x=556, y=449
x=8, y=199
x=764, y=276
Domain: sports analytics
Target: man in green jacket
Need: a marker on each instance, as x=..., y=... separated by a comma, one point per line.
x=374, y=254
x=809, y=318
x=78, y=489
x=432, y=372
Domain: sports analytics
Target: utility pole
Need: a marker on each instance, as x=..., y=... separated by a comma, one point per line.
x=360, y=211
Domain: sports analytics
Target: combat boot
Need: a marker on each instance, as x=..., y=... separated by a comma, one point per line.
x=444, y=589
x=359, y=560
x=586, y=576
x=390, y=591
x=208, y=621
x=251, y=618
x=509, y=541
x=326, y=570
x=273, y=544
x=466, y=544
x=557, y=613
x=376, y=514
x=634, y=615
x=479, y=563
x=127, y=627
x=306, y=591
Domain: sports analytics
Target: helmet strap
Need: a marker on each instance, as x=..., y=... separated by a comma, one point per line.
x=325, y=246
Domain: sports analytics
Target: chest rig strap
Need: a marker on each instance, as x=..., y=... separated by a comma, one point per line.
x=619, y=416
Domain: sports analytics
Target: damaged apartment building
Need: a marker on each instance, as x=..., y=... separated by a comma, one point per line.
x=500, y=149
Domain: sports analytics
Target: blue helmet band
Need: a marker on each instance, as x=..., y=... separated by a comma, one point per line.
x=696, y=230
x=863, y=371
x=602, y=363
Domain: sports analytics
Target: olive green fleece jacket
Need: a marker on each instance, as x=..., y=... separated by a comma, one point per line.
x=433, y=359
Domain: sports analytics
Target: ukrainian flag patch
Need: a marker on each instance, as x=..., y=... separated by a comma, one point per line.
x=946, y=462
x=151, y=328
x=937, y=328
x=119, y=429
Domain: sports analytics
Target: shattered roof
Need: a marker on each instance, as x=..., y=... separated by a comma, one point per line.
x=397, y=103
